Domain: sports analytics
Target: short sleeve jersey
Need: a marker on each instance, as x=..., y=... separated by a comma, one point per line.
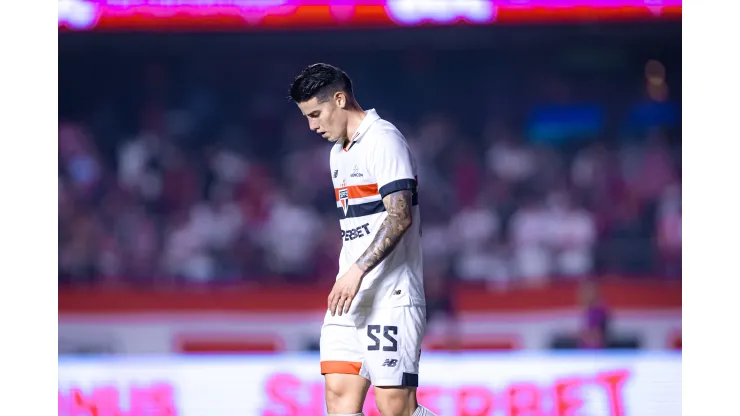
x=376, y=163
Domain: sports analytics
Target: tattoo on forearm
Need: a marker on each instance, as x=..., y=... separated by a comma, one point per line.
x=398, y=206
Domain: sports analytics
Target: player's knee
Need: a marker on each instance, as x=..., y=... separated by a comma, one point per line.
x=395, y=401
x=339, y=401
x=393, y=407
x=345, y=394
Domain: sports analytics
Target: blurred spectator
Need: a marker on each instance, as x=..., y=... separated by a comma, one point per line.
x=218, y=222
x=508, y=158
x=487, y=263
x=228, y=166
x=186, y=254
x=590, y=170
x=180, y=182
x=142, y=254
x=648, y=169
x=78, y=254
x=668, y=232
x=595, y=327
x=79, y=159
x=627, y=244
x=474, y=232
x=530, y=235
x=290, y=235
x=435, y=240
x=573, y=235
x=135, y=159
x=475, y=225
x=467, y=176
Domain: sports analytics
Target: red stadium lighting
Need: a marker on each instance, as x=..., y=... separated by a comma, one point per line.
x=166, y=15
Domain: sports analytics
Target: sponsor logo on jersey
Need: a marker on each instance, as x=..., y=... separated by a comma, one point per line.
x=355, y=233
x=356, y=172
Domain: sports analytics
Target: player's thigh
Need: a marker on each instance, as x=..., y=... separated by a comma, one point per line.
x=342, y=360
x=345, y=393
x=392, y=339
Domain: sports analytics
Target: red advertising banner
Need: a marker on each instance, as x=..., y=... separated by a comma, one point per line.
x=469, y=298
x=168, y=15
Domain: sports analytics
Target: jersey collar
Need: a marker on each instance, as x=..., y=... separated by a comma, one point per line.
x=371, y=116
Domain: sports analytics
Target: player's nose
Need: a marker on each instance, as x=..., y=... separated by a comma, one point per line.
x=313, y=125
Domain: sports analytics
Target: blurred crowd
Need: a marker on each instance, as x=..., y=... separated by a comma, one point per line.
x=221, y=180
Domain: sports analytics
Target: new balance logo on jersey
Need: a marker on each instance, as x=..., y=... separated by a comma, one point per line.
x=336, y=173
x=390, y=363
x=354, y=233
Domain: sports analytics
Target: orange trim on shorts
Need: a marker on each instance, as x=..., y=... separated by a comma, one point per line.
x=340, y=367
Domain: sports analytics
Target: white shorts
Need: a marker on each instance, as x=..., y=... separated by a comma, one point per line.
x=384, y=346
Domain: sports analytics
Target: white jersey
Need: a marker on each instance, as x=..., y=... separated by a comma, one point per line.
x=377, y=163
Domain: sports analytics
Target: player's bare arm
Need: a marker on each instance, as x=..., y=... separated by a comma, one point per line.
x=396, y=223
x=398, y=206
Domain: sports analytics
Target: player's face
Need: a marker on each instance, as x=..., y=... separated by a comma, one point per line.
x=328, y=118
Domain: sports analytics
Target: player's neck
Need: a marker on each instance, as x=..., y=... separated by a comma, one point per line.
x=356, y=115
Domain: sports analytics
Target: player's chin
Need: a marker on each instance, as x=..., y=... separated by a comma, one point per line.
x=332, y=139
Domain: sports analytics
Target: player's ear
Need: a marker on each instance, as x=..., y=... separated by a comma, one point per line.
x=340, y=99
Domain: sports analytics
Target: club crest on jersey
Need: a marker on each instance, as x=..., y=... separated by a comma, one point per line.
x=344, y=199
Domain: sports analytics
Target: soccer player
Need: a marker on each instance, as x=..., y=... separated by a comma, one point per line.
x=376, y=319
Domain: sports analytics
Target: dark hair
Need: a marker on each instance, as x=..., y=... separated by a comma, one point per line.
x=321, y=81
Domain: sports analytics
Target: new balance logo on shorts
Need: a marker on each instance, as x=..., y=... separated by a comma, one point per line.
x=390, y=363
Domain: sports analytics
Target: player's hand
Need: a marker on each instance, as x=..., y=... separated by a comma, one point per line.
x=344, y=290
